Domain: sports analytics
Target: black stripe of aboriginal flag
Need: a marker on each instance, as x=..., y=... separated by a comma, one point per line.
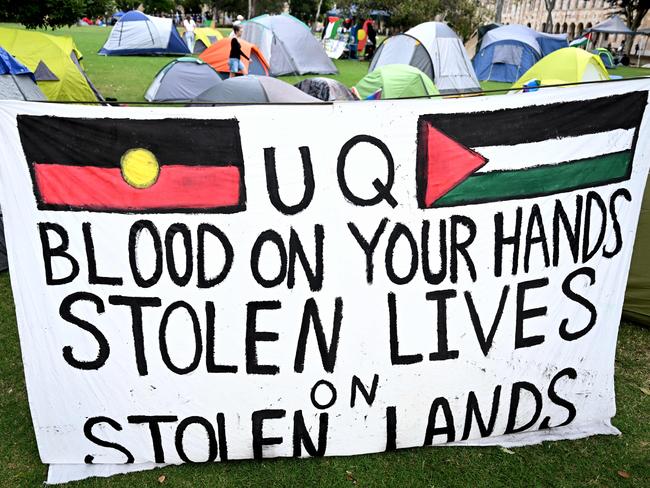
x=537, y=123
x=101, y=142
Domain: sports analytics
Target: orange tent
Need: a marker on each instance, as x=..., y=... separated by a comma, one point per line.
x=217, y=57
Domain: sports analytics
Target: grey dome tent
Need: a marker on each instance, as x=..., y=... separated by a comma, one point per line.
x=17, y=82
x=182, y=80
x=325, y=89
x=288, y=45
x=436, y=50
x=254, y=89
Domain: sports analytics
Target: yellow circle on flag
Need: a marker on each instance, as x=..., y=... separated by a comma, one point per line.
x=140, y=168
x=361, y=34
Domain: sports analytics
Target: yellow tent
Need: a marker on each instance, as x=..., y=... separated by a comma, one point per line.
x=54, y=61
x=204, y=37
x=566, y=65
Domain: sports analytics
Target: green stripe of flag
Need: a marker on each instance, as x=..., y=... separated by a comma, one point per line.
x=540, y=180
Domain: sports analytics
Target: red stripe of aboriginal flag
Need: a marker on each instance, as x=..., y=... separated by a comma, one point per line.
x=187, y=187
x=76, y=164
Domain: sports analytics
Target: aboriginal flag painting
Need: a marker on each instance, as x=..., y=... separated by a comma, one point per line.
x=479, y=157
x=130, y=166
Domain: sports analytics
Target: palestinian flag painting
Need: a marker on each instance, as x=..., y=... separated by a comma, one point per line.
x=479, y=157
x=131, y=166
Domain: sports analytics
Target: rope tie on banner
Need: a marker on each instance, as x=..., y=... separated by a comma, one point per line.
x=424, y=97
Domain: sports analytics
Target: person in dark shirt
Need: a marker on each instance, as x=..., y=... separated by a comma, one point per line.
x=235, y=64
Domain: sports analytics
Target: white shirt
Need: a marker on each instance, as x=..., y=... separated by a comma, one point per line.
x=189, y=26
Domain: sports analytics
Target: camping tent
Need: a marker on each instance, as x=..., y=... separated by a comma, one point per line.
x=473, y=44
x=509, y=51
x=182, y=80
x=217, y=56
x=637, y=295
x=434, y=49
x=566, y=65
x=16, y=81
x=606, y=57
x=204, y=38
x=396, y=81
x=254, y=89
x=139, y=34
x=288, y=45
x=55, y=62
x=325, y=89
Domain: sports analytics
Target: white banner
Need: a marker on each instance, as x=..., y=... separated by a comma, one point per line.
x=205, y=284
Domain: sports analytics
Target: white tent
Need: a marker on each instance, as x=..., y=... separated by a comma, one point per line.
x=436, y=50
x=288, y=45
x=139, y=34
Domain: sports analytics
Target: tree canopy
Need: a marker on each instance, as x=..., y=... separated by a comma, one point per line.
x=51, y=13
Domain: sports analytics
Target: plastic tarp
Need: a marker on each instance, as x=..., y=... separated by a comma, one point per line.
x=396, y=81
x=288, y=45
x=182, y=80
x=436, y=50
x=637, y=294
x=325, y=89
x=507, y=52
x=58, y=57
x=139, y=34
x=254, y=89
x=10, y=66
x=613, y=25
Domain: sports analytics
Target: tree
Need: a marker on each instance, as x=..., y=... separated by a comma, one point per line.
x=633, y=11
x=550, y=5
x=192, y=5
x=462, y=15
x=50, y=13
x=98, y=8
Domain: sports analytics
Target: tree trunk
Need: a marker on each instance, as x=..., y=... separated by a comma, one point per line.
x=550, y=5
x=313, y=24
x=499, y=11
x=633, y=19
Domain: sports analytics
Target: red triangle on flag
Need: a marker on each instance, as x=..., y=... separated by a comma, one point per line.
x=448, y=163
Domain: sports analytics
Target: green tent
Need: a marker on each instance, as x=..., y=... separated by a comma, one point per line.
x=396, y=81
x=637, y=295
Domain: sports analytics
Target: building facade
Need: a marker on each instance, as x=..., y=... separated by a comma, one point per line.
x=571, y=17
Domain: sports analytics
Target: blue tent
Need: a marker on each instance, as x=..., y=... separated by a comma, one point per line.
x=507, y=52
x=139, y=34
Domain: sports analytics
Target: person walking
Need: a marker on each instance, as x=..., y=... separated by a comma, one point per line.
x=235, y=64
x=190, y=27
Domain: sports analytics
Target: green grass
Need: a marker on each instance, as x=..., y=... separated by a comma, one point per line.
x=589, y=462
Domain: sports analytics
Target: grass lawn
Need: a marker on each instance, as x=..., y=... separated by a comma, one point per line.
x=589, y=462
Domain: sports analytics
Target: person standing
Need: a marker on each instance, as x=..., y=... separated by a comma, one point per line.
x=190, y=27
x=235, y=64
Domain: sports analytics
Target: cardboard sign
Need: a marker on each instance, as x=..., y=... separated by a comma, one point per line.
x=205, y=284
